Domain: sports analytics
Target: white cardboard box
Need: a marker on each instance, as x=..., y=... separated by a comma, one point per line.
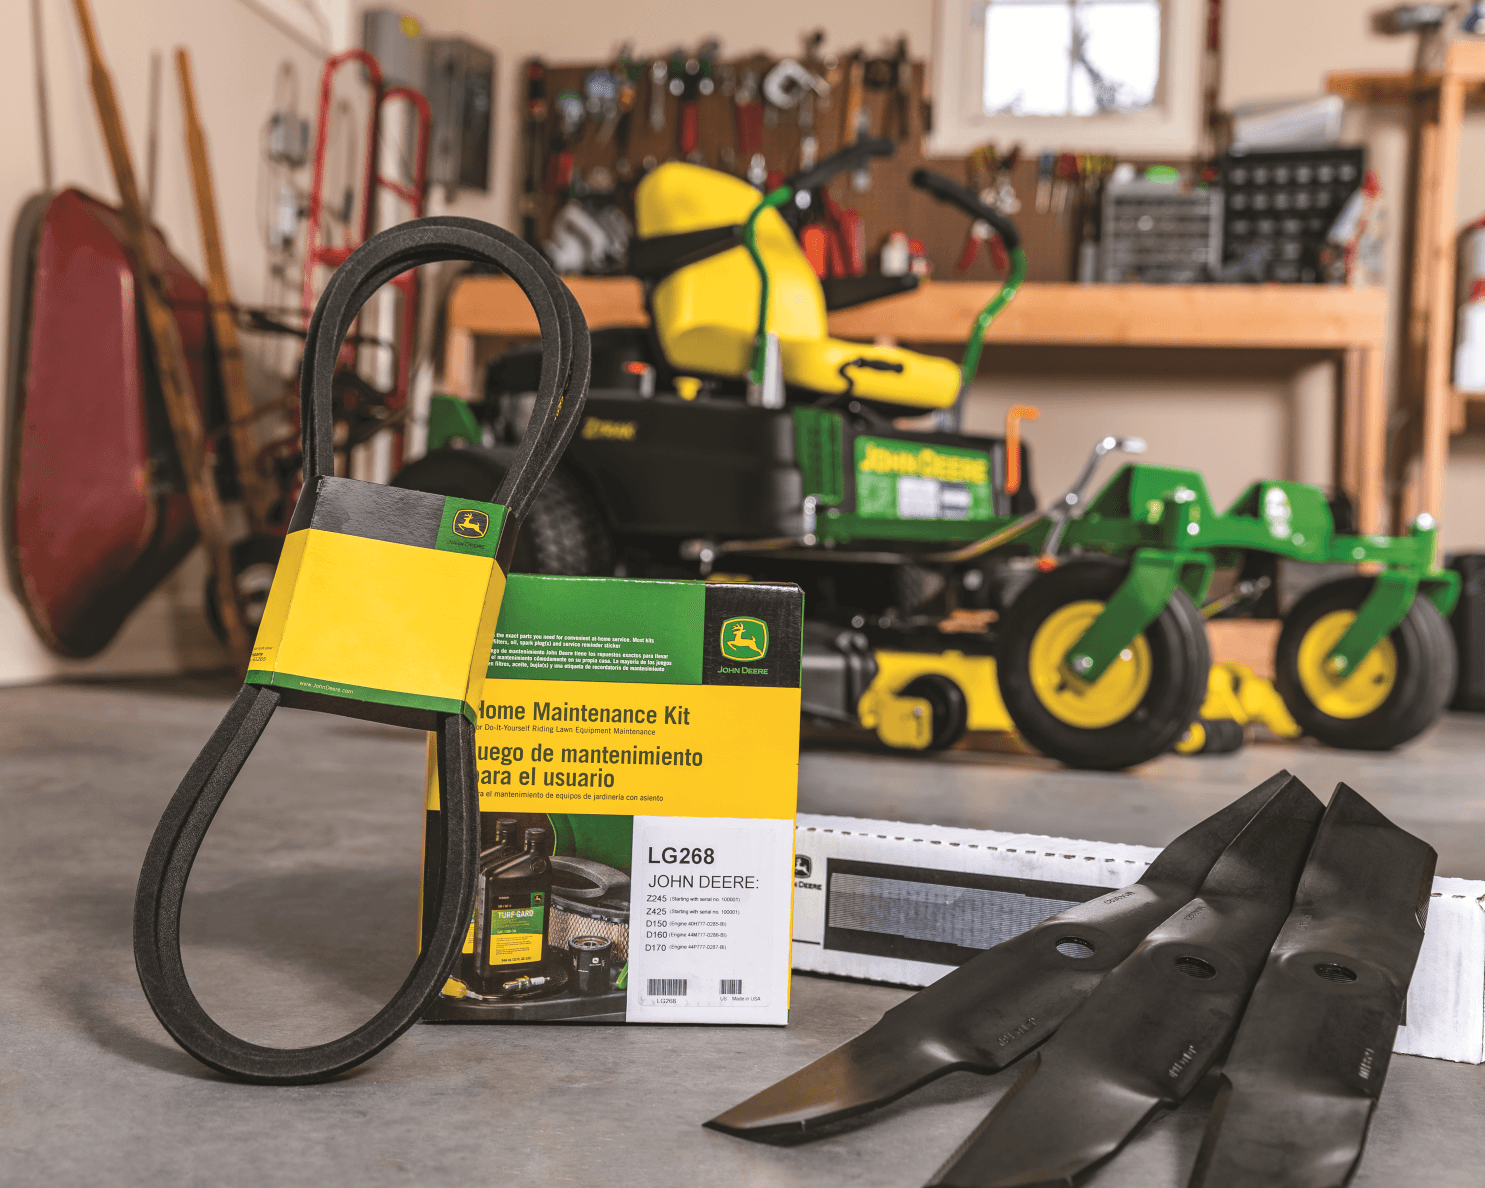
x=890, y=902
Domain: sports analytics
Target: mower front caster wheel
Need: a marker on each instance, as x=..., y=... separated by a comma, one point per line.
x=948, y=703
x=1141, y=704
x=1397, y=691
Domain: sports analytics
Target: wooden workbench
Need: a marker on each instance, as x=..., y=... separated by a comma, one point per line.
x=1349, y=323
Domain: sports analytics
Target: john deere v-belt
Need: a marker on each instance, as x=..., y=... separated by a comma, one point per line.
x=734, y=435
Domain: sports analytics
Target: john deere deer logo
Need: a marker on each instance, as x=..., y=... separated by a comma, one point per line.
x=473, y=524
x=744, y=639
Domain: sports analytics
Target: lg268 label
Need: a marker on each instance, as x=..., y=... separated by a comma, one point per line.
x=683, y=856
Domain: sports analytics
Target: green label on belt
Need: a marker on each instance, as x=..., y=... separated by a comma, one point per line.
x=901, y=480
x=517, y=924
x=468, y=526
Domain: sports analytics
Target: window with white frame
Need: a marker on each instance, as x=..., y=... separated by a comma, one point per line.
x=1071, y=57
x=1102, y=75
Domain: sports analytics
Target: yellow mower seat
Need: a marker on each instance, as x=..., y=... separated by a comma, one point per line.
x=707, y=313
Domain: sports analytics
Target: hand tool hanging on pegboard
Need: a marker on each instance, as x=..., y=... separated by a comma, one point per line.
x=749, y=114
x=894, y=77
x=628, y=72
x=235, y=394
x=989, y=176
x=850, y=128
x=536, y=149
x=601, y=102
x=689, y=83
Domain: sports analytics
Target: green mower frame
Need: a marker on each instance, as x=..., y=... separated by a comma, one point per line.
x=1159, y=519
x=1087, y=605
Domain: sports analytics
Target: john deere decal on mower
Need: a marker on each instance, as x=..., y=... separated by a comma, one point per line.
x=736, y=437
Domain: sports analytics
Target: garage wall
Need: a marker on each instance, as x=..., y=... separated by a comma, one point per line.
x=1227, y=417
x=1278, y=48
x=1232, y=418
x=237, y=51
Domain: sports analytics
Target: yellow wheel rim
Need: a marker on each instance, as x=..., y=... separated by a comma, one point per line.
x=1111, y=698
x=1356, y=694
x=1192, y=741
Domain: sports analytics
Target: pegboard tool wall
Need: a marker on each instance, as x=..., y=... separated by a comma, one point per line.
x=890, y=202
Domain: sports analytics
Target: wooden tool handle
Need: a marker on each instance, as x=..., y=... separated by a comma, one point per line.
x=164, y=337
x=235, y=393
x=855, y=88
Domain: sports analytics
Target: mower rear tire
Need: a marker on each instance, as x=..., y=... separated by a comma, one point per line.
x=1139, y=707
x=1397, y=691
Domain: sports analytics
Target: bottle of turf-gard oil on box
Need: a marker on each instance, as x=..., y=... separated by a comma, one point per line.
x=504, y=845
x=517, y=919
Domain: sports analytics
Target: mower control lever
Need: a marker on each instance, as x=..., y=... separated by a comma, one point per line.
x=851, y=157
x=946, y=190
x=1061, y=512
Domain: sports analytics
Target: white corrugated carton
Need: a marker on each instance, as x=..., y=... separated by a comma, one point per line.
x=891, y=902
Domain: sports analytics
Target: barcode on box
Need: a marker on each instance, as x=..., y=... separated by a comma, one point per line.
x=667, y=987
x=731, y=986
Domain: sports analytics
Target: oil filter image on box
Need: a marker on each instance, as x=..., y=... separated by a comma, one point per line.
x=637, y=751
x=550, y=934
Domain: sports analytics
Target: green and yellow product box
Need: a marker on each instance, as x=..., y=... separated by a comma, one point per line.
x=644, y=737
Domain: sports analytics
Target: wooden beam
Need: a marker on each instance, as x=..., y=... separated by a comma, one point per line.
x=1267, y=316
x=1249, y=642
x=1438, y=395
x=458, y=362
x=181, y=408
x=1371, y=486
x=1465, y=59
x=235, y=394
x=1399, y=88
x=1346, y=473
x=495, y=305
x=1313, y=317
x=1421, y=191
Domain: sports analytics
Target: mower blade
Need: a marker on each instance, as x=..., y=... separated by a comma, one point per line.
x=1000, y=1004
x=1308, y=1063
x=1155, y=1024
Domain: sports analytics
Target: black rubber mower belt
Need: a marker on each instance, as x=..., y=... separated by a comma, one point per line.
x=167, y=866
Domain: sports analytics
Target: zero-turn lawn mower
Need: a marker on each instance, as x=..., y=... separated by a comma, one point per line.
x=735, y=436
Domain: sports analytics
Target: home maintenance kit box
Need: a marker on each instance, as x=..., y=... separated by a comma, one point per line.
x=638, y=755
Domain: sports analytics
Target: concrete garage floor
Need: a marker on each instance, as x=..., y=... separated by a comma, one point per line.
x=300, y=920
